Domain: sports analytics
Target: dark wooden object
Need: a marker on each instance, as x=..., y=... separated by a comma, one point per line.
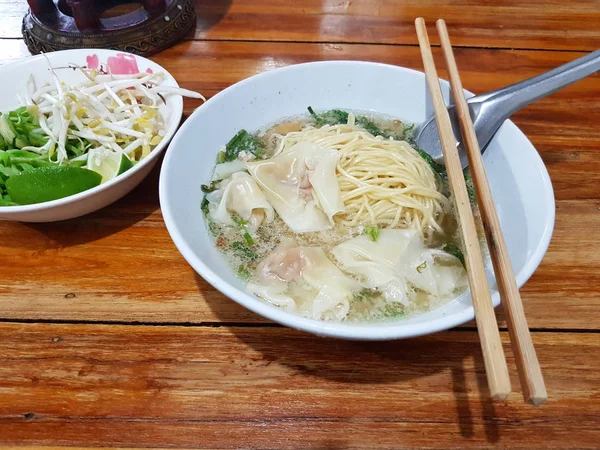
x=50, y=25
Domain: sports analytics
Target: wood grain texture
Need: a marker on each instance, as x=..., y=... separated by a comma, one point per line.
x=101, y=268
x=541, y=24
x=228, y=379
x=83, y=269
x=87, y=385
x=480, y=23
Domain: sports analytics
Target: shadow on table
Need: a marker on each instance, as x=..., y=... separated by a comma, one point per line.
x=209, y=13
x=463, y=409
x=364, y=363
x=124, y=213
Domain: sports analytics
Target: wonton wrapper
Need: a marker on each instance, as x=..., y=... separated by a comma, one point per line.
x=241, y=195
x=303, y=280
x=302, y=186
x=398, y=260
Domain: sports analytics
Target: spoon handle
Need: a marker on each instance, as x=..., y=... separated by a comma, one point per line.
x=510, y=99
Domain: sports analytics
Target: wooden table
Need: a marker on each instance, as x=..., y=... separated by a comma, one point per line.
x=110, y=339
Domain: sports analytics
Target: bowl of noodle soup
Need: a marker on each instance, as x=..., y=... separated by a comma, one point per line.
x=299, y=194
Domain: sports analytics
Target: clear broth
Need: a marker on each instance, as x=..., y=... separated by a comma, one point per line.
x=365, y=306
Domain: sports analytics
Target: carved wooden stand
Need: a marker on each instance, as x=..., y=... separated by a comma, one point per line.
x=65, y=24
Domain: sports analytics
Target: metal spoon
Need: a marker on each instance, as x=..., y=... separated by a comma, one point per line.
x=489, y=111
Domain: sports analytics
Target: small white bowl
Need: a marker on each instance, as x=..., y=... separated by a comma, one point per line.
x=14, y=76
x=518, y=178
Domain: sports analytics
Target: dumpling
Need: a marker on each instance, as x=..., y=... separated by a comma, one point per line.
x=226, y=169
x=274, y=294
x=303, y=280
x=302, y=186
x=239, y=194
x=398, y=261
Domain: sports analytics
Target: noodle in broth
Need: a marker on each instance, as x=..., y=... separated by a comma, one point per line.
x=383, y=182
x=336, y=219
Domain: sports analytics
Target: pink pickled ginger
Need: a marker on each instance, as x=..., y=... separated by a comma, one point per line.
x=92, y=62
x=122, y=64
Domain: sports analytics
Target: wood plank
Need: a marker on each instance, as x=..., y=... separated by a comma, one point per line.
x=536, y=24
x=88, y=385
x=87, y=269
x=53, y=447
x=540, y=24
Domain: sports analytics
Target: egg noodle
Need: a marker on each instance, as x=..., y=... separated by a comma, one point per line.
x=383, y=182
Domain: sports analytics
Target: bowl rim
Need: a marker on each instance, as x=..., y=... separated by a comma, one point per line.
x=353, y=331
x=176, y=112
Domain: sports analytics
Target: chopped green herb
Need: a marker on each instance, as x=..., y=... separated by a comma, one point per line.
x=242, y=224
x=373, y=232
x=237, y=219
x=213, y=186
x=407, y=133
x=454, y=250
x=436, y=166
x=75, y=147
x=365, y=294
x=369, y=126
x=17, y=129
x=470, y=186
x=243, y=142
x=421, y=267
x=393, y=310
x=338, y=116
x=204, y=205
x=244, y=273
x=441, y=171
x=213, y=227
x=332, y=117
x=243, y=249
x=248, y=238
x=221, y=158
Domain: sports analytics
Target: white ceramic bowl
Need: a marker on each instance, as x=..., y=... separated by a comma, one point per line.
x=14, y=76
x=518, y=178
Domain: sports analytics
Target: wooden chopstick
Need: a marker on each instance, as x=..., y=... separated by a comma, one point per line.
x=489, y=335
x=530, y=374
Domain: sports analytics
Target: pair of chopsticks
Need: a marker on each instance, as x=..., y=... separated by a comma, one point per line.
x=530, y=375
